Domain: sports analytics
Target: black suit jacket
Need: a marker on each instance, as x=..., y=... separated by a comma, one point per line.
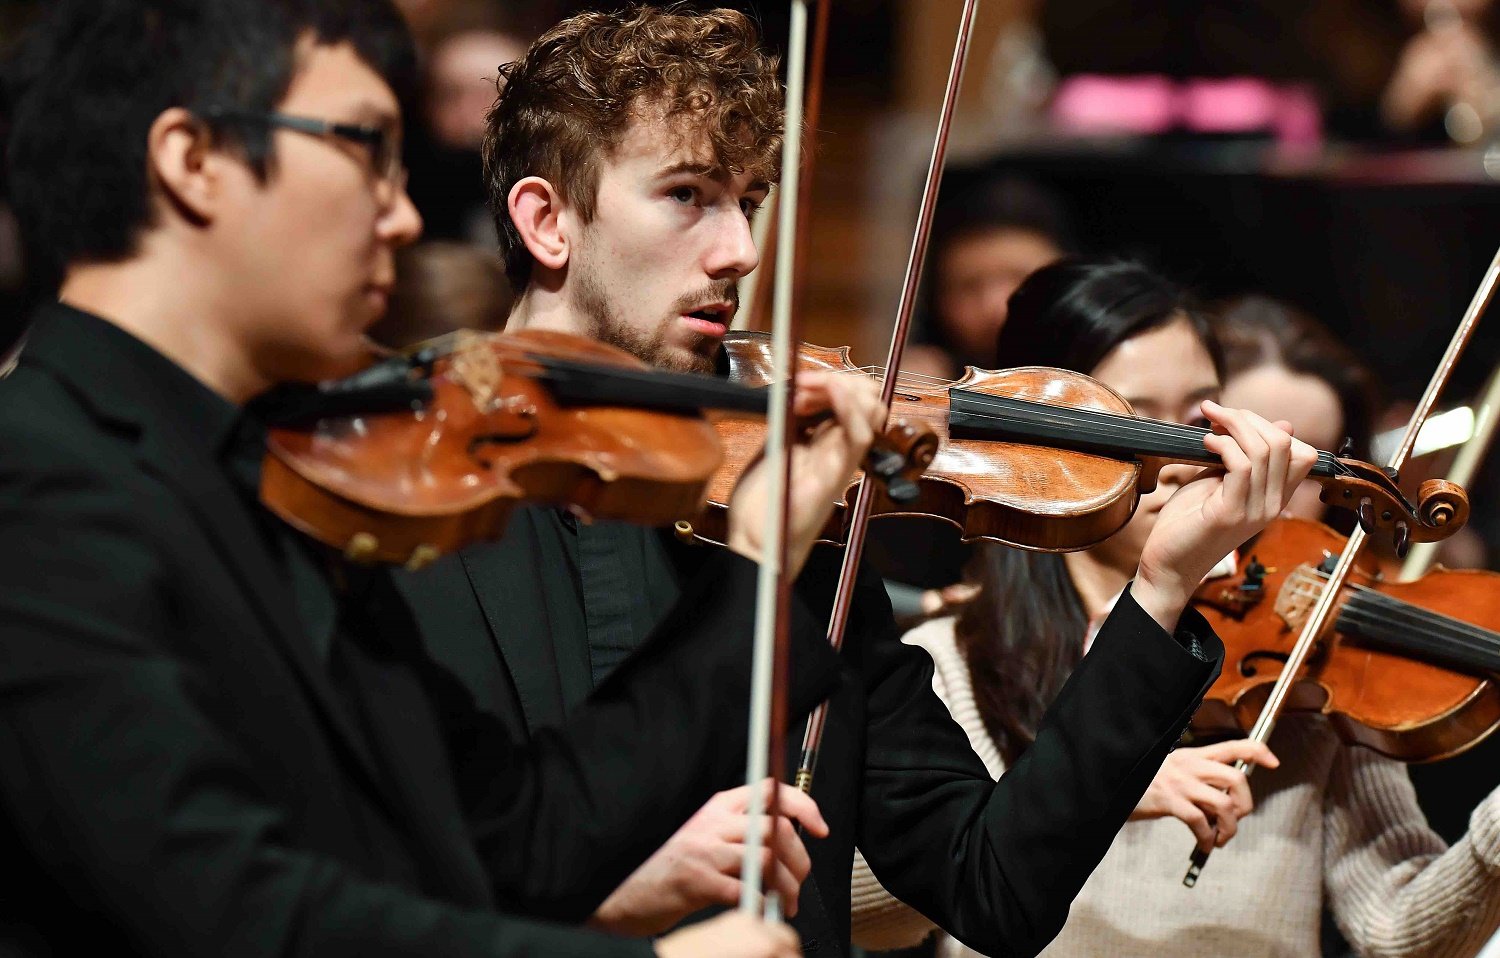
x=997, y=865
x=178, y=773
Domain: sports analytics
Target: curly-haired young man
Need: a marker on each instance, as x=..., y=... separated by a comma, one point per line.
x=633, y=153
x=626, y=154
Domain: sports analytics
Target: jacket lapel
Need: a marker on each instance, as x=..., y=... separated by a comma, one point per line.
x=87, y=355
x=233, y=531
x=505, y=579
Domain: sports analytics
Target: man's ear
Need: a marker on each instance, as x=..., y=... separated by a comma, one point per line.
x=537, y=211
x=184, y=165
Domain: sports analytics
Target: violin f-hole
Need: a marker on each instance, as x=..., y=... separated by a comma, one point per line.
x=526, y=416
x=1248, y=667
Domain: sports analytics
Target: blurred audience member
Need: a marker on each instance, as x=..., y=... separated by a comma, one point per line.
x=1281, y=363
x=441, y=287
x=1446, y=74
x=1273, y=69
x=462, y=68
x=469, y=42
x=987, y=237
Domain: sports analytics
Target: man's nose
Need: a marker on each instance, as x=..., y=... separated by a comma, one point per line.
x=733, y=253
x=401, y=223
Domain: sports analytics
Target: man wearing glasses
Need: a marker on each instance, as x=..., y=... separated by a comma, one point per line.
x=214, y=738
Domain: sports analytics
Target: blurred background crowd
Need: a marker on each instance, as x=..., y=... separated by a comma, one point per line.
x=1325, y=171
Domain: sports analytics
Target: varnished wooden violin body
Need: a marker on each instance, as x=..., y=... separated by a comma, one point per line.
x=1407, y=669
x=422, y=454
x=1054, y=460
x=407, y=485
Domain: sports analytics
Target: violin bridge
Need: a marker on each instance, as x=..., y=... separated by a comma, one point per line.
x=477, y=369
x=1297, y=596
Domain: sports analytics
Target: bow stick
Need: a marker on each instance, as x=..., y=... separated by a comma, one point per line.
x=1323, y=609
x=773, y=586
x=860, y=515
x=766, y=228
x=1465, y=466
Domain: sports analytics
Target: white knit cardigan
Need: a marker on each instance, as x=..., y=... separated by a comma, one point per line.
x=1334, y=824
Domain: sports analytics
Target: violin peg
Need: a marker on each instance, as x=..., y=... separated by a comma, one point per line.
x=1346, y=448
x=1392, y=475
x=1366, y=515
x=885, y=463
x=1403, y=539
x=901, y=489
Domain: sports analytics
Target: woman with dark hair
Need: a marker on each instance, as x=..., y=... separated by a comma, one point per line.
x=1281, y=362
x=1333, y=824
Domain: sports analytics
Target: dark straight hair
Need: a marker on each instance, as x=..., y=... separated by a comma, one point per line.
x=1022, y=635
x=84, y=84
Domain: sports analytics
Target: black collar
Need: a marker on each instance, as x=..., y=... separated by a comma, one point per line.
x=125, y=380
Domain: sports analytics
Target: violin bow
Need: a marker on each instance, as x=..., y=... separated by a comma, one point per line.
x=860, y=515
x=766, y=229
x=1466, y=464
x=1322, y=610
x=768, y=719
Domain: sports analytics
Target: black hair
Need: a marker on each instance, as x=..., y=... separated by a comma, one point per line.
x=84, y=85
x=990, y=202
x=1022, y=635
x=1071, y=313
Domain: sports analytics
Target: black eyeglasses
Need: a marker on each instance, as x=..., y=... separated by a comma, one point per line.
x=384, y=145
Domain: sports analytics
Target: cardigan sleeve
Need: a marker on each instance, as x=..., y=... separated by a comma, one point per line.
x=1394, y=889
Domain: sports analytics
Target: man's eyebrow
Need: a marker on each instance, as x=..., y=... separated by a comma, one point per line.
x=759, y=186
x=713, y=171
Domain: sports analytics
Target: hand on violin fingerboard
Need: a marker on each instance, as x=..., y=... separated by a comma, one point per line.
x=822, y=463
x=1216, y=511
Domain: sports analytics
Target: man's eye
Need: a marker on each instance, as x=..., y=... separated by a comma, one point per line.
x=683, y=194
x=749, y=208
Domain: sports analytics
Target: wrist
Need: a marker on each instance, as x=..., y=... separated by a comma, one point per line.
x=1162, y=600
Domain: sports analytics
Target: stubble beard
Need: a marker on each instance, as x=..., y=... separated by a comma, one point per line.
x=601, y=322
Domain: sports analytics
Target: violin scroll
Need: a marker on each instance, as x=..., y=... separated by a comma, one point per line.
x=1441, y=508
x=1443, y=504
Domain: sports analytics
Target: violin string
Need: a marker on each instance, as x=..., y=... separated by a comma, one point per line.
x=1136, y=426
x=1397, y=611
x=1423, y=634
x=1420, y=634
x=1463, y=637
x=1118, y=430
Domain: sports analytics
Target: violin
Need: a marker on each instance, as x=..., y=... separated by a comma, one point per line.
x=1406, y=668
x=422, y=454
x=1052, y=460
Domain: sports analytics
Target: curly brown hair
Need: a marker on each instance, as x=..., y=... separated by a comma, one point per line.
x=572, y=97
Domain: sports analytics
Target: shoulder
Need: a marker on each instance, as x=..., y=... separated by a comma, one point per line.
x=68, y=478
x=43, y=425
